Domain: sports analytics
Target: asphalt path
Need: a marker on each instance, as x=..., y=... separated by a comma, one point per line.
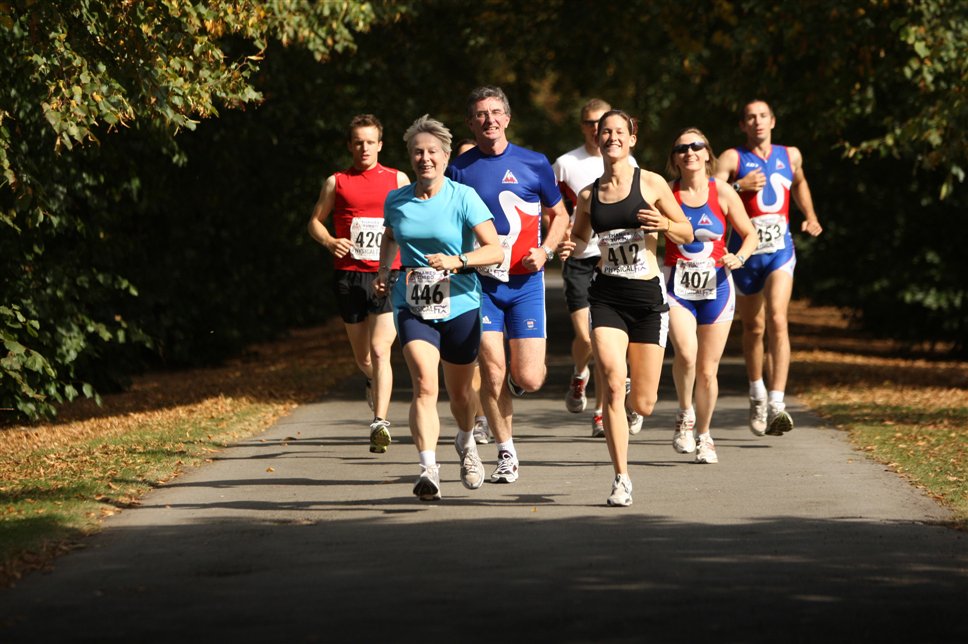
x=300, y=534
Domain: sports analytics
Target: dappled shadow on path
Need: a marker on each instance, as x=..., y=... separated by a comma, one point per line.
x=418, y=572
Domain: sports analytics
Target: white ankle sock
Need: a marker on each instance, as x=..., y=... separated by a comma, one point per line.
x=757, y=389
x=507, y=447
x=464, y=439
x=428, y=458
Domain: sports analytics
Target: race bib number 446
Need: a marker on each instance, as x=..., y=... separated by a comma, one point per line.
x=428, y=293
x=366, y=233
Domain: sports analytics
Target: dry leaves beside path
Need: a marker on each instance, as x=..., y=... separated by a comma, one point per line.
x=911, y=414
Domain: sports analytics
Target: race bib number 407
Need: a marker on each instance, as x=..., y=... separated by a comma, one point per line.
x=366, y=233
x=695, y=279
x=428, y=293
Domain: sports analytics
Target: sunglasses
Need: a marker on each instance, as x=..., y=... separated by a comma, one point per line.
x=695, y=146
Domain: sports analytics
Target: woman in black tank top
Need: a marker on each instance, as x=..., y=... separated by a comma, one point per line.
x=628, y=208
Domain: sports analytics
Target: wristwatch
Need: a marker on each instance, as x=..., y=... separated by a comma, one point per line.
x=548, y=252
x=737, y=187
x=463, y=260
x=742, y=260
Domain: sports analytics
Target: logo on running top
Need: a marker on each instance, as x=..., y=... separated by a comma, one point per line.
x=780, y=165
x=509, y=177
x=705, y=221
x=751, y=164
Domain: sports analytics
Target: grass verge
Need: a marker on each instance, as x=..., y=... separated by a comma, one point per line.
x=59, y=480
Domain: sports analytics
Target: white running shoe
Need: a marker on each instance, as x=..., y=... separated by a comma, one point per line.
x=379, y=436
x=427, y=487
x=471, y=467
x=482, y=431
x=507, y=468
x=758, y=416
x=683, y=441
x=635, y=420
x=369, y=393
x=706, y=449
x=598, y=426
x=621, y=491
x=575, y=399
x=778, y=421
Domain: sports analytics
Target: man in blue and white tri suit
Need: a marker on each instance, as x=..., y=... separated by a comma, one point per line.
x=518, y=185
x=766, y=176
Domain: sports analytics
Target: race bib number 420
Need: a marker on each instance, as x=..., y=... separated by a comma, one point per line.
x=366, y=233
x=428, y=293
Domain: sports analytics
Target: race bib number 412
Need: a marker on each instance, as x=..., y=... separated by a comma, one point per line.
x=624, y=254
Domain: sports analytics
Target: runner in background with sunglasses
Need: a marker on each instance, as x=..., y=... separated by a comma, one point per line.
x=702, y=299
x=766, y=176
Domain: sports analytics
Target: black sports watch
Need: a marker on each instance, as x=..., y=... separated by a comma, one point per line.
x=737, y=187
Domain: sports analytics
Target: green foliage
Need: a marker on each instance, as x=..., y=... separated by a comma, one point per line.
x=94, y=93
x=122, y=243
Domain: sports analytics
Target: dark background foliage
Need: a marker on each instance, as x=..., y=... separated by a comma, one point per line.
x=158, y=183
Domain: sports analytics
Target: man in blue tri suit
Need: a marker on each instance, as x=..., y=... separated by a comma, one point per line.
x=518, y=185
x=766, y=176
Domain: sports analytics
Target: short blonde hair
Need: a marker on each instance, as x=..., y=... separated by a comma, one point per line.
x=430, y=126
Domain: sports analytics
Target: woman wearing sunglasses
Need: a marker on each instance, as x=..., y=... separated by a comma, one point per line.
x=628, y=208
x=702, y=298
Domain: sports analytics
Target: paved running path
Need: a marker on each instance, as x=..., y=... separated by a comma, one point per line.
x=301, y=535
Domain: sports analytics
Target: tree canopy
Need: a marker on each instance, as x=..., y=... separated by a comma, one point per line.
x=160, y=157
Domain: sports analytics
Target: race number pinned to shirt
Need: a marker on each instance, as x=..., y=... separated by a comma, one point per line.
x=428, y=293
x=771, y=230
x=499, y=271
x=695, y=279
x=366, y=233
x=624, y=254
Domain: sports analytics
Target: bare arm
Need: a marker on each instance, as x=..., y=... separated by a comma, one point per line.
x=490, y=251
x=402, y=179
x=727, y=164
x=558, y=216
x=801, y=194
x=734, y=210
x=388, y=251
x=317, y=221
x=581, y=230
x=666, y=216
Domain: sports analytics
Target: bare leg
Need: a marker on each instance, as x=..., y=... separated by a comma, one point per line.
x=422, y=360
x=712, y=342
x=382, y=334
x=777, y=293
